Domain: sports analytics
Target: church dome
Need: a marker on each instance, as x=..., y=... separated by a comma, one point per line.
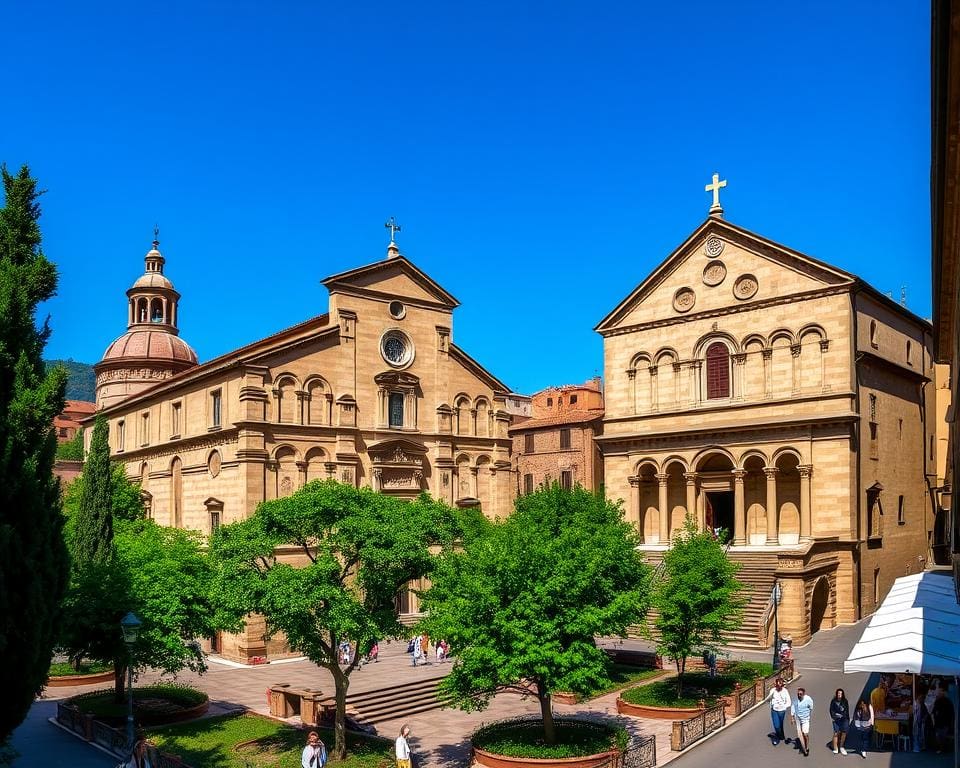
x=153, y=280
x=150, y=345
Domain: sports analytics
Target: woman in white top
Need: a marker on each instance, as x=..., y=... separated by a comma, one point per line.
x=315, y=753
x=403, y=749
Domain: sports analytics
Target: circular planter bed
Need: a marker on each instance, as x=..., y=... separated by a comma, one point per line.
x=655, y=713
x=152, y=705
x=68, y=681
x=519, y=742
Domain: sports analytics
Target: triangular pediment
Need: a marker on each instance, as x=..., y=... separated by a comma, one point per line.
x=719, y=266
x=395, y=277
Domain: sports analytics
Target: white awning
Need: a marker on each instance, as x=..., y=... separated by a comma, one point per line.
x=915, y=630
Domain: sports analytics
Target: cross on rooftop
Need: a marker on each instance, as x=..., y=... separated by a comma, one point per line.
x=393, y=227
x=715, y=187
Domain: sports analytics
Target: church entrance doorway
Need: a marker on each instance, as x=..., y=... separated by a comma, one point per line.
x=719, y=513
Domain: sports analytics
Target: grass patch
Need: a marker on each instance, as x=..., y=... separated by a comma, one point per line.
x=147, y=699
x=524, y=738
x=212, y=743
x=66, y=669
x=696, y=686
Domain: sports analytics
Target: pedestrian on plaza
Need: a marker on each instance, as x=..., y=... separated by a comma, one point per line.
x=403, y=748
x=942, y=718
x=920, y=717
x=142, y=755
x=863, y=725
x=840, y=717
x=315, y=753
x=425, y=643
x=779, y=704
x=439, y=646
x=800, y=713
x=417, y=649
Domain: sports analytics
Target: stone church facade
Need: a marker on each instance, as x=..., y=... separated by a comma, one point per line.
x=374, y=392
x=784, y=402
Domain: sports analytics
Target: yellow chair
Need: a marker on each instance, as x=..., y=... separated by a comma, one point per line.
x=884, y=729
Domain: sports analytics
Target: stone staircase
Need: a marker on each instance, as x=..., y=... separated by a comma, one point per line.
x=757, y=573
x=396, y=701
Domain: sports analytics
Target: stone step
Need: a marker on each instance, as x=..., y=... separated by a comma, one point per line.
x=398, y=701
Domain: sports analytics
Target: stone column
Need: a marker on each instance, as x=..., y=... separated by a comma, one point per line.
x=691, y=478
x=739, y=509
x=767, y=355
x=654, y=400
x=474, y=485
x=739, y=361
x=632, y=378
x=806, y=532
x=663, y=511
x=301, y=474
x=633, y=514
x=773, y=537
x=795, y=351
x=677, y=369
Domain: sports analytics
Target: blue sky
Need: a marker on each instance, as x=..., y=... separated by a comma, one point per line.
x=541, y=157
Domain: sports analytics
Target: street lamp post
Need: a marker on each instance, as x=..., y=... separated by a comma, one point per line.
x=775, y=595
x=130, y=624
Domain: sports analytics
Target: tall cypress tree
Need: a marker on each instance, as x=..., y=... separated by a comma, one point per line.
x=93, y=528
x=33, y=557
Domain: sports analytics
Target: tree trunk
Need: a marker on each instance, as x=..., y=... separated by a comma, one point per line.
x=546, y=710
x=681, y=666
x=341, y=684
x=119, y=680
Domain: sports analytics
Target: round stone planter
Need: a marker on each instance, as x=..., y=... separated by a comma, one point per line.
x=490, y=760
x=656, y=713
x=565, y=698
x=69, y=681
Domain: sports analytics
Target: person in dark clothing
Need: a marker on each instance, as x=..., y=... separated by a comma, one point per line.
x=840, y=717
x=942, y=719
x=863, y=725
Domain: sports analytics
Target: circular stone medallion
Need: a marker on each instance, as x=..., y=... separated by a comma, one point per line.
x=745, y=287
x=713, y=247
x=684, y=299
x=714, y=272
x=213, y=464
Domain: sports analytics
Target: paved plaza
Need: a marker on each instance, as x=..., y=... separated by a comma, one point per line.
x=440, y=737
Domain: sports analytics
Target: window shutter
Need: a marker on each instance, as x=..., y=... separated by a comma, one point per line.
x=718, y=371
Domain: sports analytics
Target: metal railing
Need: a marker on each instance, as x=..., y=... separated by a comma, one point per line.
x=641, y=752
x=691, y=730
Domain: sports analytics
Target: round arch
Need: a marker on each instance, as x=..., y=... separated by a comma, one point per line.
x=783, y=452
x=641, y=360
x=820, y=604
x=283, y=450
x=666, y=352
x=712, y=451
x=752, y=453
x=284, y=378
x=644, y=463
x=783, y=333
x=812, y=329
x=700, y=348
x=671, y=461
x=754, y=339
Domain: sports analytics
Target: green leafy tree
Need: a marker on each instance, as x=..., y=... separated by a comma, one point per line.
x=93, y=524
x=33, y=559
x=524, y=600
x=72, y=449
x=697, y=597
x=356, y=549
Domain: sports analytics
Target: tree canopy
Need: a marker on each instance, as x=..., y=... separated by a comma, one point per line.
x=33, y=559
x=697, y=597
x=93, y=523
x=524, y=599
x=325, y=565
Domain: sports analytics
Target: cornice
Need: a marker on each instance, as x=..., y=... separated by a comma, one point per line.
x=739, y=405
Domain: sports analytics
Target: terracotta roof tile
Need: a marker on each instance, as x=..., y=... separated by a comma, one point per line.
x=567, y=417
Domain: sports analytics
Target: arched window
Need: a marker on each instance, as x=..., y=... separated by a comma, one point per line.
x=718, y=371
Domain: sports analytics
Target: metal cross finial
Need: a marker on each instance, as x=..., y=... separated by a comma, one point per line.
x=156, y=235
x=715, y=187
x=393, y=227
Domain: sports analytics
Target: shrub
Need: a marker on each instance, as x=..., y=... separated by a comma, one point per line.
x=103, y=704
x=696, y=686
x=67, y=668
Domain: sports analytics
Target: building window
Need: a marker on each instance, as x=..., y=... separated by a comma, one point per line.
x=873, y=408
x=564, y=438
x=876, y=586
x=214, y=521
x=145, y=429
x=528, y=483
x=528, y=443
x=566, y=479
x=901, y=515
x=873, y=334
x=573, y=399
x=175, y=420
x=900, y=429
x=214, y=513
x=395, y=409
x=549, y=402
x=718, y=371
x=63, y=431
x=216, y=406
x=909, y=353
x=933, y=448
x=121, y=435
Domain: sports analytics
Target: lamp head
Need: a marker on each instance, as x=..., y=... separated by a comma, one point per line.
x=130, y=624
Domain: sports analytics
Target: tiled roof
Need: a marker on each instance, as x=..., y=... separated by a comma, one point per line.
x=560, y=419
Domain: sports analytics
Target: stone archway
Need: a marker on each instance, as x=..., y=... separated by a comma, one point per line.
x=820, y=605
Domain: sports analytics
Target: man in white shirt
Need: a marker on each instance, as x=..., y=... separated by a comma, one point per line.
x=403, y=748
x=802, y=711
x=779, y=704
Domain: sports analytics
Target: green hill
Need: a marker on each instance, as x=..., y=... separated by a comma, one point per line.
x=81, y=382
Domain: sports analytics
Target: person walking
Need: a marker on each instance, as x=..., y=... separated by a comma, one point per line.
x=417, y=649
x=840, y=717
x=863, y=725
x=800, y=713
x=920, y=715
x=315, y=753
x=779, y=704
x=142, y=755
x=403, y=748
